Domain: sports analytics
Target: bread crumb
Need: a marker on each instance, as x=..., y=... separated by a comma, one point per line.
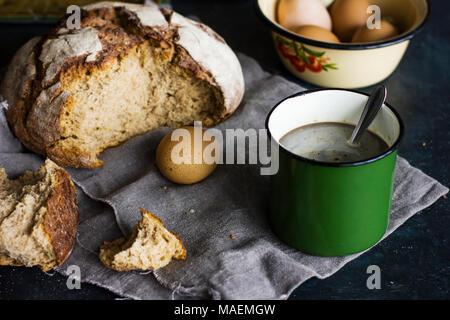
x=232, y=236
x=191, y=211
x=424, y=144
x=164, y=187
x=444, y=196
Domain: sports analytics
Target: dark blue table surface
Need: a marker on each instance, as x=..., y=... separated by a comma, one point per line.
x=414, y=261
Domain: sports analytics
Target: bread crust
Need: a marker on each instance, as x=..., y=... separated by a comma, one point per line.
x=61, y=219
x=35, y=81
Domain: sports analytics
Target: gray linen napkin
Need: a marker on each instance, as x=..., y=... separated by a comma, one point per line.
x=253, y=265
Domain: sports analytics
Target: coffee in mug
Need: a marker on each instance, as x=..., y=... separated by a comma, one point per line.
x=328, y=142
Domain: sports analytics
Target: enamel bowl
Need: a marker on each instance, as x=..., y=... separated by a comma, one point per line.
x=346, y=65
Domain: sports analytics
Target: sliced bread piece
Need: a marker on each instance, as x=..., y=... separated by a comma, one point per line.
x=150, y=247
x=38, y=217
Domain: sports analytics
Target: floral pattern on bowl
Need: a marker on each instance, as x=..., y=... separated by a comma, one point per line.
x=302, y=58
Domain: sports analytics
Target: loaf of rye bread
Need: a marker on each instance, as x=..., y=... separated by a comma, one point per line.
x=128, y=69
x=38, y=217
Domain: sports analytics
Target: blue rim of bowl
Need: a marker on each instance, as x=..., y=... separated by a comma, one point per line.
x=338, y=164
x=343, y=46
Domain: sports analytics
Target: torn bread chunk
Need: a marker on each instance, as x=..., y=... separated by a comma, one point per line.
x=38, y=217
x=150, y=247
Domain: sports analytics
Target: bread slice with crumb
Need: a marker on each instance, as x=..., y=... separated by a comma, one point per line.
x=38, y=217
x=150, y=247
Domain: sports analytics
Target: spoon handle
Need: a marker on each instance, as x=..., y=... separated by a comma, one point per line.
x=371, y=109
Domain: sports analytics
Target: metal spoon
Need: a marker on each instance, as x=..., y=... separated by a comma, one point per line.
x=369, y=113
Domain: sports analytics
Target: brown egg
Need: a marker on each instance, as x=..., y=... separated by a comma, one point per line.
x=364, y=34
x=348, y=16
x=175, y=163
x=316, y=33
x=295, y=13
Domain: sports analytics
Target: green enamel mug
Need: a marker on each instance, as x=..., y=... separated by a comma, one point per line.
x=328, y=208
